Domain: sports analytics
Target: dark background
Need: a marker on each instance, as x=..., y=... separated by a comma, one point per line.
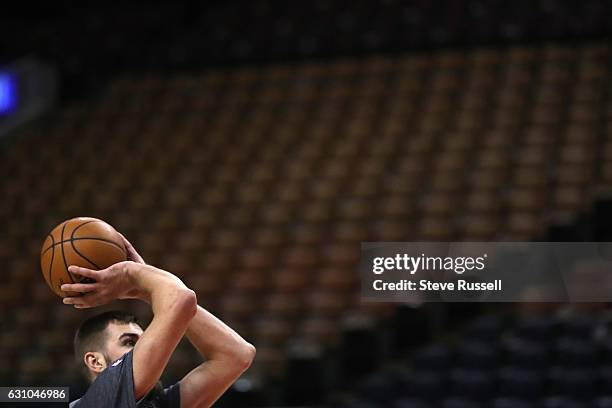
x=249, y=147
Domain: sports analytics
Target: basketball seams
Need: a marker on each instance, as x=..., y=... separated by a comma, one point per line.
x=43, y=250
x=121, y=247
x=64, y=255
x=76, y=250
x=118, y=254
x=62, y=238
x=85, y=238
x=52, y=257
x=80, y=225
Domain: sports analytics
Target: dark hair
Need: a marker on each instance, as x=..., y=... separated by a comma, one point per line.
x=90, y=335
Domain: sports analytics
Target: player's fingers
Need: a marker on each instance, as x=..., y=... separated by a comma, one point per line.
x=92, y=299
x=77, y=300
x=80, y=302
x=83, y=306
x=71, y=300
x=79, y=287
x=88, y=273
x=133, y=255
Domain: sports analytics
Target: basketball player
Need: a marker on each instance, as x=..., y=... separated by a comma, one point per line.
x=124, y=363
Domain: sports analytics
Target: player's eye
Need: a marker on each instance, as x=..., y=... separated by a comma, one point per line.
x=129, y=343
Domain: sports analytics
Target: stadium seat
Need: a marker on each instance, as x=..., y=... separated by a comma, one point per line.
x=528, y=353
x=475, y=384
x=477, y=354
x=459, y=402
x=562, y=402
x=426, y=383
x=411, y=403
x=504, y=402
x=528, y=384
x=575, y=351
x=579, y=383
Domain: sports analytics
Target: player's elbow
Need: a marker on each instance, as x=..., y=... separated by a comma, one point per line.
x=189, y=302
x=244, y=356
x=185, y=304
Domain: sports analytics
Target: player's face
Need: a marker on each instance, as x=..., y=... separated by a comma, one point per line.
x=121, y=338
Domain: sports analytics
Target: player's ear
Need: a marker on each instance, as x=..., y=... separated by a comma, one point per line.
x=95, y=361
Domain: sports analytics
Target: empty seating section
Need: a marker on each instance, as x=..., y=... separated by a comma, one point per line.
x=500, y=362
x=256, y=185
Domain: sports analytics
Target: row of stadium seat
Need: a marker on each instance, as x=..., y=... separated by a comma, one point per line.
x=256, y=185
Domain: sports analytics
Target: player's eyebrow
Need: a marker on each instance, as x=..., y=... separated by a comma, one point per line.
x=134, y=336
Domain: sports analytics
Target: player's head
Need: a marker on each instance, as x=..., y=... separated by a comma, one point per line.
x=104, y=338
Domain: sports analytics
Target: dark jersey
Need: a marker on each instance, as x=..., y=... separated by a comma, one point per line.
x=114, y=388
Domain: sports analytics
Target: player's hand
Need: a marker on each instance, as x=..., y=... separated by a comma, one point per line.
x=109, y=284
x=132, y=254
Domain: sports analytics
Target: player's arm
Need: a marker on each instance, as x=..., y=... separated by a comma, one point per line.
x=228, y=356
x=173, y=304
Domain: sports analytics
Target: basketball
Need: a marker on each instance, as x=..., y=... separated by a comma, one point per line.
x=86, y=242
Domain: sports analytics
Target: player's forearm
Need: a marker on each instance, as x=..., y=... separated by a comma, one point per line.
x=215, y=340
x=228, y=356
x=174, y=306
x=163, y=290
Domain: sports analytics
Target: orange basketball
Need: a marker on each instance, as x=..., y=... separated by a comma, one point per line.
x=87, y=242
